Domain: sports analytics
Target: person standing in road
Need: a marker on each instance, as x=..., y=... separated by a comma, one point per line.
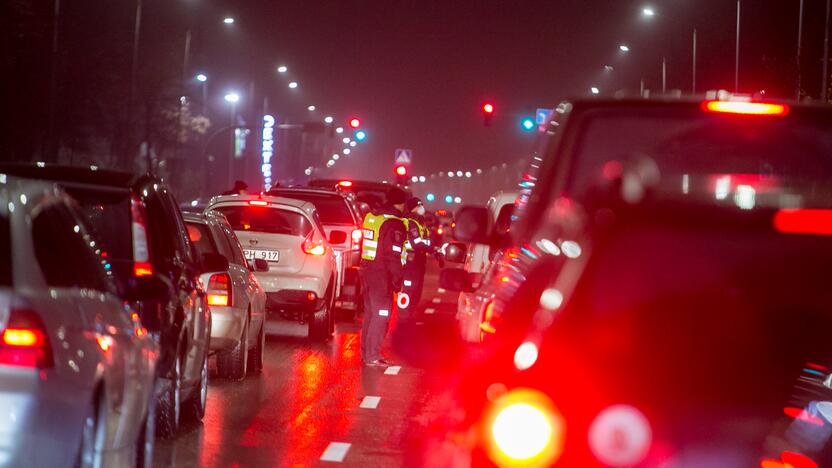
x=240, y=188
x=417, y=246
x=380, y=272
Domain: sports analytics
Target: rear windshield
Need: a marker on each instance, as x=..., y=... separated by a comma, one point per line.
x=265, y=219
x=686, y=145
x=108, y=217
x=200, y=237
x=332, y=209
x=5, y=252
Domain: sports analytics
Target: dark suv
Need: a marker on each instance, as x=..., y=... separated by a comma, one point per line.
x=141, y=231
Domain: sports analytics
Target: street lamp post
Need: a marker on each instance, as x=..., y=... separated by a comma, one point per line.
x=232, y=99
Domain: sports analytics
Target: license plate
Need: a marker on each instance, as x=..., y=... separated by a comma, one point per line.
x=268, y=255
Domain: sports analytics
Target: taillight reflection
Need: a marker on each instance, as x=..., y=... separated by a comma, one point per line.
x=620, y=436
x=525, y=429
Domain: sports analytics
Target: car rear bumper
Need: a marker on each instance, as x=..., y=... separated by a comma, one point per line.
x=226, y=327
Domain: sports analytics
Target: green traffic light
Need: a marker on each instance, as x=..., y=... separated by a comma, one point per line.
x=360, y=135
x=527, y=124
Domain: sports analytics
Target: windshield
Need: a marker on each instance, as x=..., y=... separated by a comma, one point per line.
x=694, y=152
x=265, y=219
x=332, y=209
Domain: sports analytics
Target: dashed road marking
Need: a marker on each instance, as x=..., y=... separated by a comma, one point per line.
x=430, y=310
x=370, y=402
x=335, y=452
x=440, y=291
x=436, y=300
x=393, y=370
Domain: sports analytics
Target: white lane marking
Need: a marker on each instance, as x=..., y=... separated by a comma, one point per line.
x=440, y=291
x=392, y=370
x=370, y=402
x=436, y=300
x=429, y=310
x=335, y=452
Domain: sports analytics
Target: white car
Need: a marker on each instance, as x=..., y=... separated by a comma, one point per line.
x=483, y=264
x=287, y=233
x=235, y=298
x=77, y=370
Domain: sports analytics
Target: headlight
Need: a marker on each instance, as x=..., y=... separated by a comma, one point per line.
x=525, y=429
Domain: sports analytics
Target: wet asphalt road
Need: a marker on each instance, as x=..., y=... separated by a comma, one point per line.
x=315, y=404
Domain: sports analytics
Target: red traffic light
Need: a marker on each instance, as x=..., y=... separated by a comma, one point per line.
x=401, y=170
x=355, y=123
x=488, y=108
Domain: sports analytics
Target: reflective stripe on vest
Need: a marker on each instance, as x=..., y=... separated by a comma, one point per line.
x=371, y=229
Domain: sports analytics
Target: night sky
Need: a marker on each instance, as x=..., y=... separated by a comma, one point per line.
x=417, y=72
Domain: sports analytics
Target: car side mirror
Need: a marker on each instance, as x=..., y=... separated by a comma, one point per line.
x=455, y=252
x=147, y=288
x=214, y=262
x=473, y=224
x=337, y=237
x=455, y=279
x=260, y=265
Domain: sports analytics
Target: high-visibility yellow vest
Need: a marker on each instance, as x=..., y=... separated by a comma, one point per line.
x=424, y=234
x=371, y=229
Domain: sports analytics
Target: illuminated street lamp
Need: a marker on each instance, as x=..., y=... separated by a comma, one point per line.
x=201, y=77
x=328, y=119
x=648, y=12
x=311, y=108
x=346, y=140
x=353, y=144
x=624, y=48
x=228, y=20
x=232, y=98
x=339, y=130
x=594, y=90
x=282, y=69
x=293, y=84
x=346, y=151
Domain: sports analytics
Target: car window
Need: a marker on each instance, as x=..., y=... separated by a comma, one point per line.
x=333, y=209
x=200, y=237
x=234, y=246
x=162, y=233
x=182, y=242
x=5, y=252
x=64, y=251
x=266, y=219
x=107, y=213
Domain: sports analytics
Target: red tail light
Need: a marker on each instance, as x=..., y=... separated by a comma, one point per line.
x=745, y=108
x=141, y=248
x=219, y=290
x=258, y=203
x=345, y=183
x=311, y=247
x=24, y=343
x=804, y=221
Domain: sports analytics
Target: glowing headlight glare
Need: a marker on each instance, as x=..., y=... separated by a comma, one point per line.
x=525, y=430
x=525, y=356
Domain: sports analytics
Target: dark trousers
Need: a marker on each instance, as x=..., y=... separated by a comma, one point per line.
x=414, y=281
x=378, y=307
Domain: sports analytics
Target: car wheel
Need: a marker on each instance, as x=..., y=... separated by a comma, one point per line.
x=255, y=356
x=170, y=405
x=195, y=407
x=233, y=364
x=319, y=322
x=146, y=438
x=93, y=435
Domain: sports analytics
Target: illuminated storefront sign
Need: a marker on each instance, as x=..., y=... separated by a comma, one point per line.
x=268, y=149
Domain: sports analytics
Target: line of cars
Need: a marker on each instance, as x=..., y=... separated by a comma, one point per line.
x=112, y=300
x=663, y=296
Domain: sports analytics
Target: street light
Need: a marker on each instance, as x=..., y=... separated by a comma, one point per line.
x=336, y=156
x=594, y=90
x=328, y=119
x=648, y=12
x=353, y=144
x=201, y=77
x=346, y=140
x=282, y=69
x=339, y=130
x=228, y=20
x=624, y=48
x=232, y=98
x=311, y=108
x=346, y=151
x=293, y=84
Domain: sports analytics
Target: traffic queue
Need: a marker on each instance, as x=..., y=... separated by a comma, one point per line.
x=112, y=301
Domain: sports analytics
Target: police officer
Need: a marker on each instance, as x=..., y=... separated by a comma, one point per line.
x=380, y=272
x=417, y=246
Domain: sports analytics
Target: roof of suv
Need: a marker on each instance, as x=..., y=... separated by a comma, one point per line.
x=304, y=206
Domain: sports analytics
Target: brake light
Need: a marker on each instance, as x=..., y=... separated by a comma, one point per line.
x=345, y=183
x=439, y=230
x=804, y=221
x=525, y=429
x=23, y=343
x=311, y=247
x=311, y=296
x=745, y=108
x=219, y=290
x=141, y=249
x=258, y=203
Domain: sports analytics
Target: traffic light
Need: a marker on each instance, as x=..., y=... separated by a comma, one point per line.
x=354, y=123
x=360, y=135
x=487, y=113
x=401, y=174
x=527, y=124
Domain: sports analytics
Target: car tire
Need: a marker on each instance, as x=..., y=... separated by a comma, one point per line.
x=194, y=409
x=233, y=364
x=319, y=322
x=147, y=436
x=168, y=412
x=93, y=434
x=255, y=354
